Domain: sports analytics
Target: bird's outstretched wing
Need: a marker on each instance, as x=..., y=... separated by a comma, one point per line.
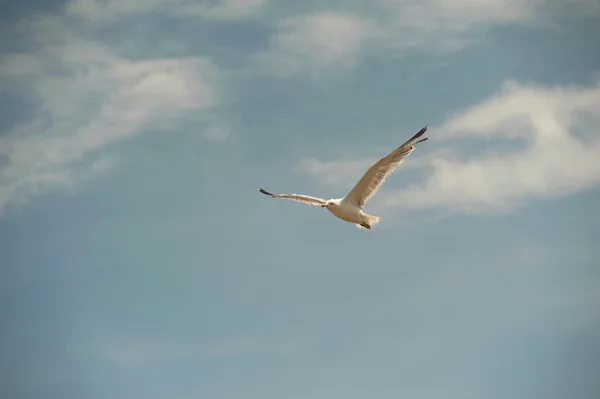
x=306, y=199
x=367, y=186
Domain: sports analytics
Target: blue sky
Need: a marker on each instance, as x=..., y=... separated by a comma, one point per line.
x=139, y=261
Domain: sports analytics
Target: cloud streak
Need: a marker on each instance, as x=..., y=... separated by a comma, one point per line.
x=89, y=99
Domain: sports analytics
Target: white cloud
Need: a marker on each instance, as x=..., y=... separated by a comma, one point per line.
x=447, y=25
x=105, y=10
x=555, y=161
x=324, y=40
x=310, y=43
x=558, y=126
x=89, y=99
x=459, y=15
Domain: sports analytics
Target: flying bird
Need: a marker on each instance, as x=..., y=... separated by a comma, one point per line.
x=350, y=207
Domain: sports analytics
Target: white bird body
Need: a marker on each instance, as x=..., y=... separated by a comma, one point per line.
x=350, y=207
x=345, y=211
x=351, y=213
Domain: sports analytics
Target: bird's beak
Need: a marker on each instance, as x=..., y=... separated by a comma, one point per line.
x=323, y=206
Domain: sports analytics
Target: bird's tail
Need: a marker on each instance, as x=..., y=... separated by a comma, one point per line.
x=368, y=221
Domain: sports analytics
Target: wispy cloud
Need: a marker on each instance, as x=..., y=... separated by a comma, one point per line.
x=106, y=10
x=89, y=98
x=325, y=40
x=316, y=42
x=556, y=152
x=560, y=128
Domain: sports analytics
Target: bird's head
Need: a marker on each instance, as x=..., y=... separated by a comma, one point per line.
x=327, y=204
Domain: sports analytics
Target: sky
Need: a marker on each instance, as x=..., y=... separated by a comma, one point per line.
x=138, y=259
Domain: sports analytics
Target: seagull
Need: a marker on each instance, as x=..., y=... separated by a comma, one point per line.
x=350, y=207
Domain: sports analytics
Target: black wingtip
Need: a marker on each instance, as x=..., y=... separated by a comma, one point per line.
x=265, y=192
x=416, y=136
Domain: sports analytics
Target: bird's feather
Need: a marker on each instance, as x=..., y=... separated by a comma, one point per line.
x=368, y=185
x=305, y=199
